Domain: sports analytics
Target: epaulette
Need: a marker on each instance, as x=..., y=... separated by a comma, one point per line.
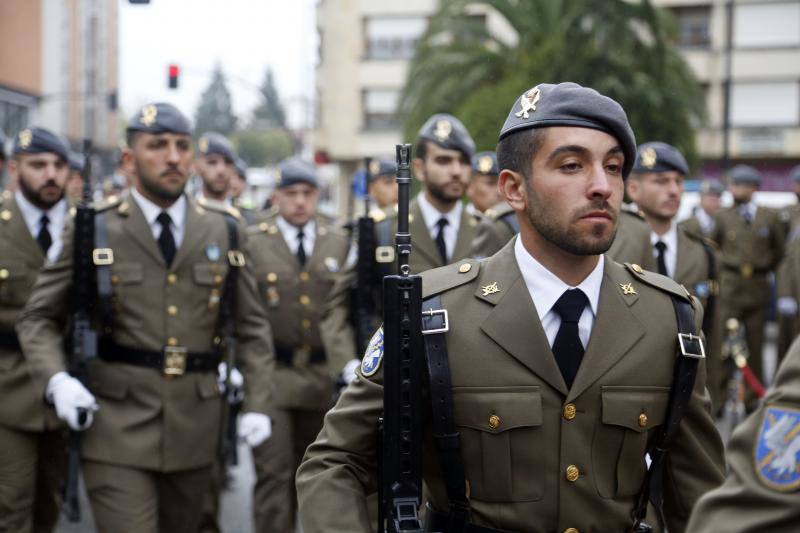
x=499, y=211
x=700, y=239
x=219, y=207
x=262, y=227
x=638, y=215
x=109, y=202
x=658, y=281
x=447, y=277
x=376, y=214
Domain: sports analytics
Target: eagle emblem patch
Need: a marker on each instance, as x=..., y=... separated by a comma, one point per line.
x=777, y=452
x=374, y=354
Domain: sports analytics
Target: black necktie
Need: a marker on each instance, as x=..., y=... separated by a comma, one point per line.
x=567, y=346
x=44, y=238
x=662, y=263
x=440, y=244
x=746, y=214
x=301, y=251
x=166, y=241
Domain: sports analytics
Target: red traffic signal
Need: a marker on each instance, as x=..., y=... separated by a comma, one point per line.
x=173, y=71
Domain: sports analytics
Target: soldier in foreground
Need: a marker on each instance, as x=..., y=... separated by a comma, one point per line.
x=294, y=255
x=561, y=360
x=32, y=220
x=152, y=409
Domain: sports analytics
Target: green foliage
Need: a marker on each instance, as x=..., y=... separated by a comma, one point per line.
x=270, y=112
x=215, y=112
x=621, y=48
x=263, y=147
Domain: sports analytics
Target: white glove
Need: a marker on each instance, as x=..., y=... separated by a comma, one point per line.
x=349, y=370
x=68, y=396
x=787, y=305
x=237, y=380
x=254, y=428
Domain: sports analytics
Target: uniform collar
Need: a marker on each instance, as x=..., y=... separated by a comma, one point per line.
x=177, y=211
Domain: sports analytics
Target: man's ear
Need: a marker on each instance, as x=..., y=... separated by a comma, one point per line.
x=418, y=166
x=128, y=165
x=512, y=188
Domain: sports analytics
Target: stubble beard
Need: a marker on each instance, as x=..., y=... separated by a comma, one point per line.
x=154, y=188
x=35, y=196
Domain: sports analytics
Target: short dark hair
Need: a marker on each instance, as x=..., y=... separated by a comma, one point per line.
x=516, y=151
x=421, y=149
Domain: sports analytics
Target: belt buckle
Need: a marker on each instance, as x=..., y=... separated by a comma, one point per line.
x=689, y=346
x=175, y=360
x=103, y=256
x=236, y=258
x=746, y=270
x=445, y=321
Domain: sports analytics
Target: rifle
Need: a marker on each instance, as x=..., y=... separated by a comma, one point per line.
x=400, y=426
x=84, y=337
x=363, y=290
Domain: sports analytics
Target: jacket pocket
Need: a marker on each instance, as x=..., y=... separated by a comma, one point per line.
x=629, y=413
x=498, y=425
x=16, y=282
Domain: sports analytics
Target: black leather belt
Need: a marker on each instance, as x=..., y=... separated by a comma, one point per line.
x=9, y=341
x=285, y=355
x=746, y=270
x=171, y=360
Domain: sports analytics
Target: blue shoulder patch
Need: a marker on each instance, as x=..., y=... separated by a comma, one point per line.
x=374, y=354
x=777, y=452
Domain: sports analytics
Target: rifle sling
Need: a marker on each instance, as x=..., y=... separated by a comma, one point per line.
x=227, y=307
x=105, y=291
x=708, y=316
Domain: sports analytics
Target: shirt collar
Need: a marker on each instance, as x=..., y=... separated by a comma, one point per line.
x=290, y=230
x=670, y=238
x=546, y=288
x=431, y=215
x=33, y=214
x=177, y=211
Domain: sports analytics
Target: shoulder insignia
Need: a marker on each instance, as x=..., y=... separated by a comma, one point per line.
x=261, y=227
x=658, y=281
x=777, y=452
x=447, y=277
x=374, y=354
x=377, y=215
x=235, y=213
x=109, y=203
x=217, y=207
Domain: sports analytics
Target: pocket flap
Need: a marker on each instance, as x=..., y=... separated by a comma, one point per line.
x=15, y=269
x=128, y=272
x=497, y=409
x=624, y=406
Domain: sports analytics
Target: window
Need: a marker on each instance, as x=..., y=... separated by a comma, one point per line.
x=380, y=109
x=693, y=24
x=767, y=25
x=765, y=104
x=393, y=37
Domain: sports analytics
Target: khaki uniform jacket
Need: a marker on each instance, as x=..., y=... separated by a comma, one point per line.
x=692, y=226
x=23, y=404
x=148, y=420
x=493, y=232
x=502, y=366
x=294, y=297
x=336, y=328
x=632, y=242
x=750, y=500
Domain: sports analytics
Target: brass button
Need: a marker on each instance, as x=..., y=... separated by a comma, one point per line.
x=304, y=300
x=172, y=278
x=272, y=277
x=573, y=473
x=306, y=323
x=571, y=530
x=642, y=420
x=263, y=226
x=4, y=273
x=466, y=267
x=570, y=411
x=172, y=310
x=304, y=276
x=636, y=268
x=172, y=341
x=6, y=215
x=114, y=279
x=494, y=421
x=217, y=341
x=217, y=279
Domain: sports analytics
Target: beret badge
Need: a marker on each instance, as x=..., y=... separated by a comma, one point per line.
x=528, y=103
x=443, y=130
x=149, y=114
x=648, y=157
x=485, y=164
x=25, y=138
x=374, y=167
x=203, y=144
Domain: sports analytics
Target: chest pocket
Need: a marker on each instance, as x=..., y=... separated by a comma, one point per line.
x=629, y=414
x=498, y=424
x=16, y=281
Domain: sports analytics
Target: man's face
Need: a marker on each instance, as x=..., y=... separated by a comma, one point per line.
x=237, y=186
x=160, y=164
x=658, y=194
x=710, y=203
x=483, y=191
x=216, y=173
x=41, y=177
x=445, y=173
x=742, y=192
x=383, y=189
x=575, y=189
x=74, y=188
x=297, y=203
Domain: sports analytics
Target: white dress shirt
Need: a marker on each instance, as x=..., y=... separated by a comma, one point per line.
x=706, y=221
x=33, y=219
x=750, y=207
x=290, y=232
x=177, y=212
x=670, y=238
x=546, y=288
x=431, y=216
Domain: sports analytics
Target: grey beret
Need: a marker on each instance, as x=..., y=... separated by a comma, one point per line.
x=76, y=161
x=711, y=187
x=159, y=117
x=485, y=163
x=213, y=143
x=241, y=167
x=448, y=132
x=381, y=166
x=569, y=104
x=745, y=174
x=659, y=157
x=795, y=174
x=294, y=170
x=35, y=140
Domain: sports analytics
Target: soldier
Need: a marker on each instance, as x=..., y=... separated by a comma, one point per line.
x=760, y=493
x=381, y=187
x=482, y=190
x=154, y=409
x=702, y=220
x=31, y=223
x=238, y=187
x=551, y=439
x=294, y=254
x=656, y=185
x=751, y=240
x=74, y=187
x=215, y=165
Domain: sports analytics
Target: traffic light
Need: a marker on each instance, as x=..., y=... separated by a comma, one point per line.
x=174, y=72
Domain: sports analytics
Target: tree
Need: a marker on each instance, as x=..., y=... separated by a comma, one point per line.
x=270, y=113
x=263, y=147
x=215, y=112
x=619, y=47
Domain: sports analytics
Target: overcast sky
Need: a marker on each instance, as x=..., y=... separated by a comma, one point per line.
x=245, y=36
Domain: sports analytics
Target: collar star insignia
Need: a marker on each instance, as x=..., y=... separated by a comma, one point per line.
x=485, y=164
x=490, y=289
x=25, y=139
x=627, y=288
x=443, y=130
x=528, y=103
x=149, y=114
x=649, y=157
